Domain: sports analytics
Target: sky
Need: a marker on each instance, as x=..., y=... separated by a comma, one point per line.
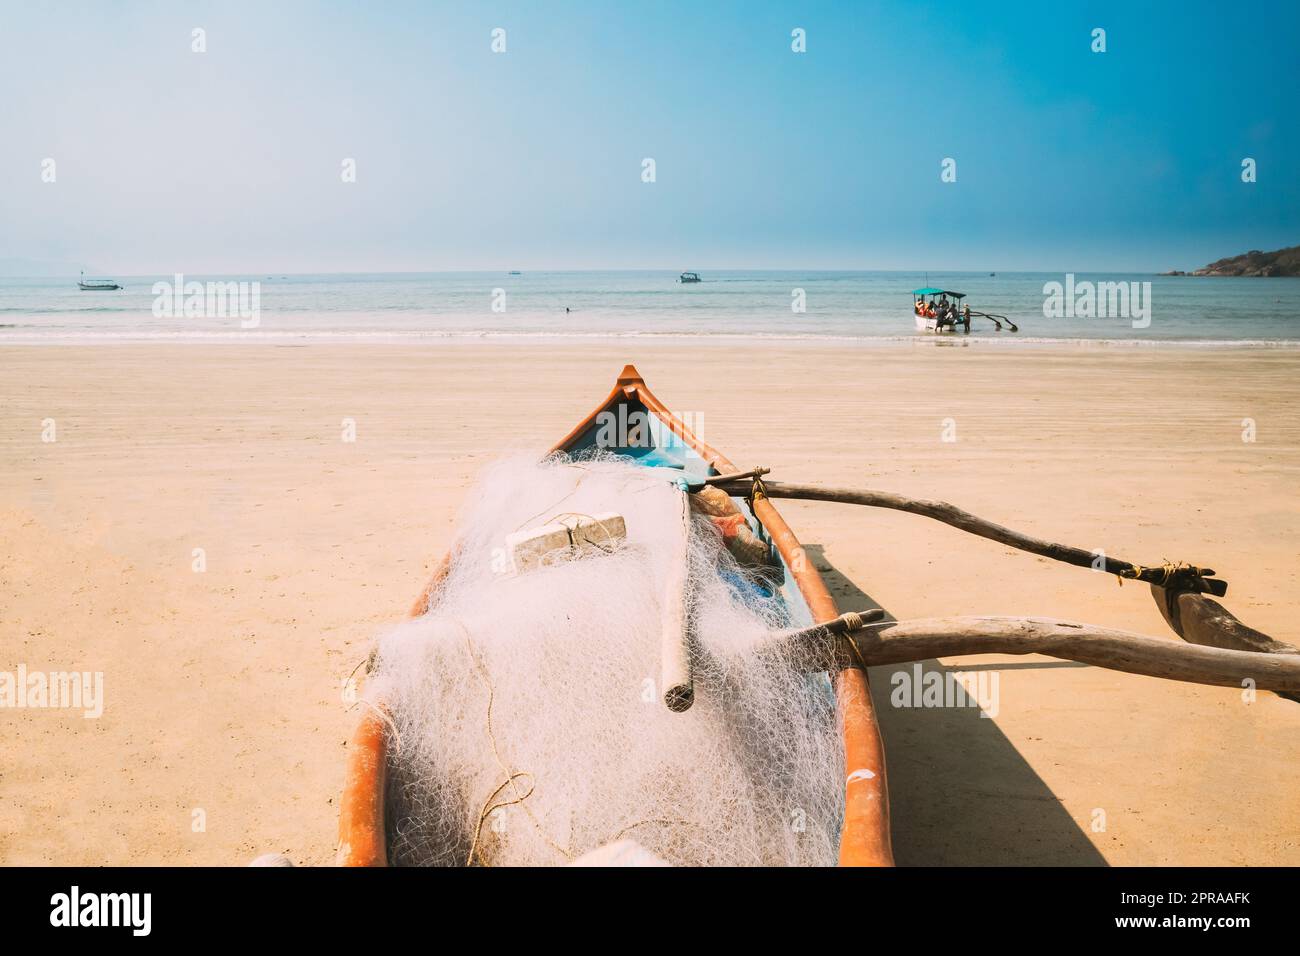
x=231, y=160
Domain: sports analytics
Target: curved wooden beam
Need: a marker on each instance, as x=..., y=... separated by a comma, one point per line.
x=973, y=524
x=1198, y=619
x=905, y=641
x=1180, y=592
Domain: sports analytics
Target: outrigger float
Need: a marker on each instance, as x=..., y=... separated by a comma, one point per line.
x=1216, y=647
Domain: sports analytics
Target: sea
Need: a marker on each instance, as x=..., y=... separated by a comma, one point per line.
x=748, y=306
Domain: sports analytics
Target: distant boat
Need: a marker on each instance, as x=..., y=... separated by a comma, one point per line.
x=515, y=272
x=97, y=285
x=689, y=277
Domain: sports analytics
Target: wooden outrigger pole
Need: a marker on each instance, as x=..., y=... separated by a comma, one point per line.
x=899, y=642
x=1228, y=653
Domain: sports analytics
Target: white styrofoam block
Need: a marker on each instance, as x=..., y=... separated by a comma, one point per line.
x=620, y=853
x=573, y=536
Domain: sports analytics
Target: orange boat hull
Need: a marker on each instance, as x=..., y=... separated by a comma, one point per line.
x=865, y=836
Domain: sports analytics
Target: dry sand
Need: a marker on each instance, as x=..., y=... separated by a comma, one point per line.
x=223, y=688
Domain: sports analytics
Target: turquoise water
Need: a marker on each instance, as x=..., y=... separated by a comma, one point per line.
x=868, y=306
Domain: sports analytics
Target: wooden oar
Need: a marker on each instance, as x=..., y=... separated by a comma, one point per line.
x=676, y=672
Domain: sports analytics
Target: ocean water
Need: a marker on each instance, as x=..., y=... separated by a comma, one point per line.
x=727, y=305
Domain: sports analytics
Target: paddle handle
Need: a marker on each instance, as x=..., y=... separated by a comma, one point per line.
x=675, y=647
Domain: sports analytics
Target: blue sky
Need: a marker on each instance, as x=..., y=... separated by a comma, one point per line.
x=229, y=160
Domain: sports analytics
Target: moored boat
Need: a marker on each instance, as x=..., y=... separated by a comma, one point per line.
x=97, y=285
x=688, y=277
x=864, y=834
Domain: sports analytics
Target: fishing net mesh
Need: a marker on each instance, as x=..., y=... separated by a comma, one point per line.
x=527, y=709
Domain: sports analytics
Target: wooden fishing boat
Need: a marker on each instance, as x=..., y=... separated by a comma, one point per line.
x=865, y=837
x=1216, y=648
x=97, y=285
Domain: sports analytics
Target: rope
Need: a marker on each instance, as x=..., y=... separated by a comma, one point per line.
x=1167, y=572
x=489, y=808
x=757, y=489
x=576, y=486
x=660, y=822
x=511, y=775
x=857, y=652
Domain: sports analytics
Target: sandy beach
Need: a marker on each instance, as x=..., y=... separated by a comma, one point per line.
x=224, y=725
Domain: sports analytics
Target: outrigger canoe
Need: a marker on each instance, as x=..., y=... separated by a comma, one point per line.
x=865, y=836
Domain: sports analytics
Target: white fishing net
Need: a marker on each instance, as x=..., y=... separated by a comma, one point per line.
x=528, y=713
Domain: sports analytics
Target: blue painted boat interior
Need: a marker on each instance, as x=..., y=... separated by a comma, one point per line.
x=665, y=449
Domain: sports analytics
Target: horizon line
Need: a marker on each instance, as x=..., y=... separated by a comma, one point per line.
x=272, y=274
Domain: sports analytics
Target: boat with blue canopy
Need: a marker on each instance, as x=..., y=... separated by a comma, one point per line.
x=942, y=311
